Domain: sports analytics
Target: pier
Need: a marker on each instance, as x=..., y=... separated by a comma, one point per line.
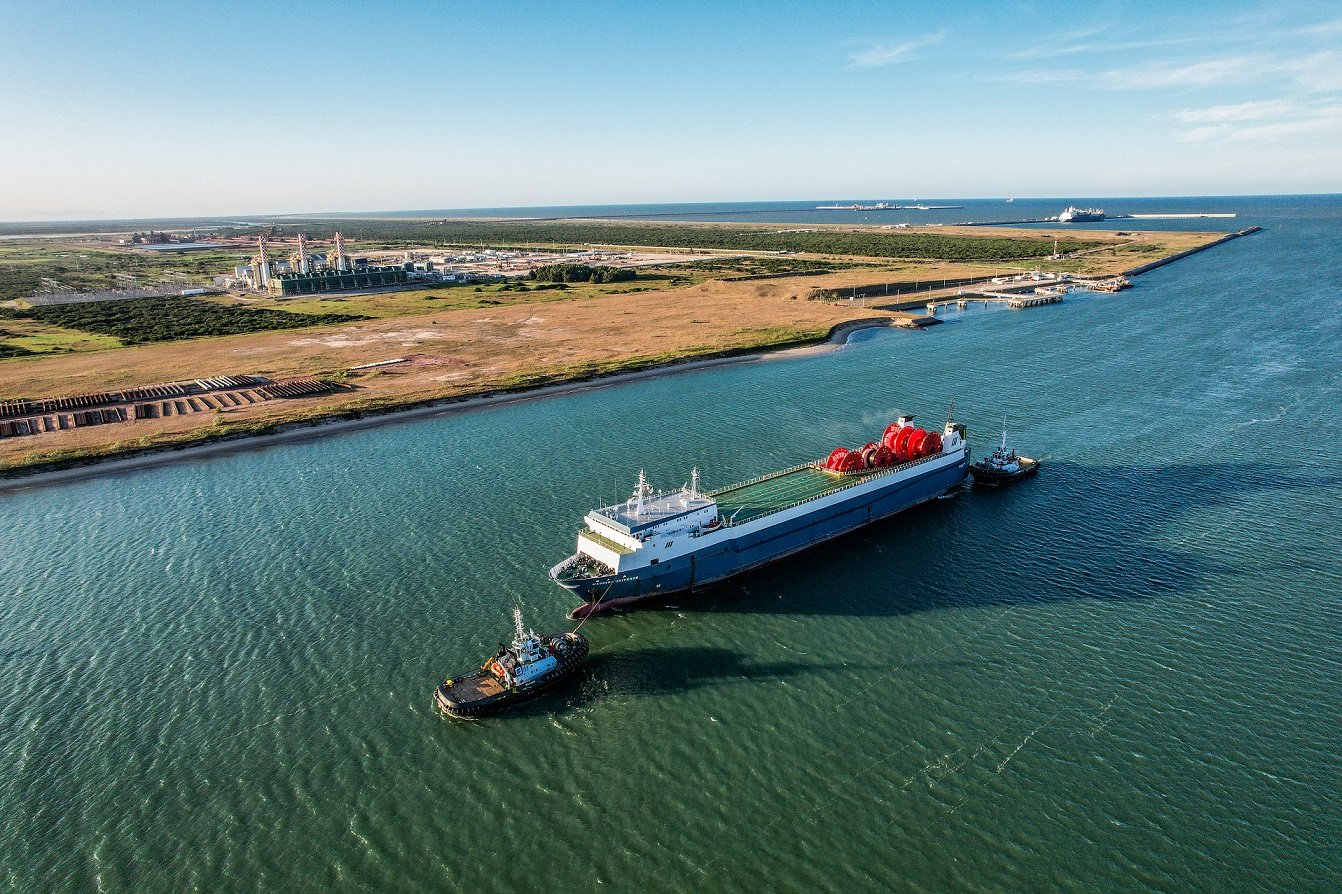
x=1015, y=300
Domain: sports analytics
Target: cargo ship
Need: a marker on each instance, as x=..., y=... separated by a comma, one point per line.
x=1074, y=214
x=655, y=544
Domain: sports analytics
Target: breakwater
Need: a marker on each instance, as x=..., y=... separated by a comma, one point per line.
x=1143, y=268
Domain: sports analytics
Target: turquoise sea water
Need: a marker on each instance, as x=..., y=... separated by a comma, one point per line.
x=1123, y=675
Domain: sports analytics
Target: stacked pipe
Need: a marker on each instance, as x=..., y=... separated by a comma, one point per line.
x=898, y=444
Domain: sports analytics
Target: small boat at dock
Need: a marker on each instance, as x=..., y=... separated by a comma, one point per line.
x=532, y=662
x=1003, y=467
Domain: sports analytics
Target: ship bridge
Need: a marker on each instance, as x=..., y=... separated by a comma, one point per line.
x=632, y=517
x=646, y=510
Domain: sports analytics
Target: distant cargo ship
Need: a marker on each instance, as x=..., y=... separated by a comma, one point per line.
x=886, y=206
x=1074, y=214
x=656, y=544
x=879, y=206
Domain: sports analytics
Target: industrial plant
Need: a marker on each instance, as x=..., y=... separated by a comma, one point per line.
x=308, y=273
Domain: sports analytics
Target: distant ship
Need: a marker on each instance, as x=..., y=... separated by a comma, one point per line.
x=879, y=206
x=1074, y=214
x=656, y=544
x=885, y=206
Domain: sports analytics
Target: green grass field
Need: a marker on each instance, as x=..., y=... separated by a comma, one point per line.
x=24, y=264
x=415, y=302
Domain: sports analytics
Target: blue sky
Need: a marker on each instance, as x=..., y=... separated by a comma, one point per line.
x=184, y=108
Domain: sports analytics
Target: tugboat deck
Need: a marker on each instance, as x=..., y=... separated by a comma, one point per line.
x=476, y=685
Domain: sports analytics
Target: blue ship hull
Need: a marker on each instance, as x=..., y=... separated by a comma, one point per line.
x=727, y=557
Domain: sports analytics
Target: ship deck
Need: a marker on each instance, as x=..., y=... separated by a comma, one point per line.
x=750, y=500
x=475, y=686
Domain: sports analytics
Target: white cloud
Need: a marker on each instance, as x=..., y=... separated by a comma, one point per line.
x=881, y=54
x=1261, y=121
x=1323, y=29
x=1208, y=73
x=1100, y=47
x=1317, y=73
x=1244, y=111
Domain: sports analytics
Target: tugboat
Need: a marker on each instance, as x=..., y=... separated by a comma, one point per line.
x=1004, y=466
x=533, y=662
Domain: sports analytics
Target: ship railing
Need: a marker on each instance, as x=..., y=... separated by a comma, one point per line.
x=861, y=479
x=580, y=567
x=563, y=566
x=602, y=540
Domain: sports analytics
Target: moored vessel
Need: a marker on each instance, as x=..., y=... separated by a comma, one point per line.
x=531, y=663
x=656, y=544
x=1074, y=214
x=1003, y=466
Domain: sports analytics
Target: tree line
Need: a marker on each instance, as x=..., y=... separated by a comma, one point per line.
x=581, y=273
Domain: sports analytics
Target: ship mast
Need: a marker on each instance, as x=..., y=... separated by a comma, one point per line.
x=694, y=482
x=517, y=622
x=640, y=492
x=1004, y=421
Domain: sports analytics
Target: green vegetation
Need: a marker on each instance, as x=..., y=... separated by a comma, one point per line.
x=143, y=320
x=24, y=265
x=581, y=273
x=752, y=265
x=418, y=302
x=523, y=234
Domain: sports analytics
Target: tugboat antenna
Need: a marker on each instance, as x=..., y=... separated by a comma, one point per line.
x=517, y=622
x=950, y=416
x=1004, y=420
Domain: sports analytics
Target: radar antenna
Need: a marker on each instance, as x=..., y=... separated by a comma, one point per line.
x=641, y=491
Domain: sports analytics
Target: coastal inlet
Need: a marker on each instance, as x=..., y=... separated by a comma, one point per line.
x=1120, y=677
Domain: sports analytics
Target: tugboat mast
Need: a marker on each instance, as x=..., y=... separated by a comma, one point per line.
x=517, y=622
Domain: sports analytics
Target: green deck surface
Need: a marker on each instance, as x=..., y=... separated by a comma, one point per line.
x=748, y=501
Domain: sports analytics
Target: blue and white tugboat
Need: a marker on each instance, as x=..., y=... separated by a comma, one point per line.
x=1004, y=466
x=531, y=663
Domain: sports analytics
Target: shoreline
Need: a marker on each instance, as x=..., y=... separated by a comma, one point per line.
x=284, y=433
x=81, y=468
